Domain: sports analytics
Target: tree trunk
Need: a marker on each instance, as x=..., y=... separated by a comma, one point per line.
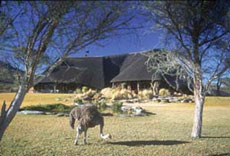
x=199, y=103
x=155, y=87
x=138, y=87
x=12, y=110
x=218, y=85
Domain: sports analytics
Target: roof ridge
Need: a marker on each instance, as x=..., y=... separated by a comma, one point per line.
x=130, y=53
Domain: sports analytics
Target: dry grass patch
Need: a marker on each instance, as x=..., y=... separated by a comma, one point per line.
x=217, y=101
x=39, y=98
x=166, y=133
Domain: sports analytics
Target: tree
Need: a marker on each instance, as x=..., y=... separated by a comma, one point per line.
x=222, y=81
x=55, y=30
x=194, y=29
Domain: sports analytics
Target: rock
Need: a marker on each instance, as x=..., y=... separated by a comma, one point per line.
x=126, y=108
x=155, y=99
x=173, y=99
x=133, y=110
x=138, y=109
x=135, y=100
x=165, y=101
x=62, y=114
x=31, y=112
x=139, y=112
x=127, y=101
x=186, y=100
x=49, y=113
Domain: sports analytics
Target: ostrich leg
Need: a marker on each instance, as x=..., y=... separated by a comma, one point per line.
x=107, y=136
x=79, y=131
x=85, y=135
x=101, y=129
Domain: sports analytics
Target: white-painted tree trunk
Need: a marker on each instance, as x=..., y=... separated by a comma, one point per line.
x=12, y=110
x=199, y=103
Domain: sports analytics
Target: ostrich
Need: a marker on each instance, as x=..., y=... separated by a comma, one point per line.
x=87, y=116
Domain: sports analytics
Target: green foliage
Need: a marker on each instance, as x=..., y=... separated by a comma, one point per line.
x=84, y=89
x=56, y=108
x=101, y=106
x=78, y=91
x=116, y=106
x=79, y=101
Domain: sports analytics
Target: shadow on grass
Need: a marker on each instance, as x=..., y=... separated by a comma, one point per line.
x=56, y=108
x=215, y=137
x=222, y=154
x=149, y=142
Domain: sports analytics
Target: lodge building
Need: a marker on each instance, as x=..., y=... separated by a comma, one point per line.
x=127, y=70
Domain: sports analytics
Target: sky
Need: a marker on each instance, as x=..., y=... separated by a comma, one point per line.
x=131, y=43
x=137, y=40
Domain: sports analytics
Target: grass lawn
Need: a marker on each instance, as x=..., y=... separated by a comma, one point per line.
x=165, y=133
x=39, y=98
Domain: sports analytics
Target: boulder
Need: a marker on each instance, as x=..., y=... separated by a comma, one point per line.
x=62, y=114
x=49, y=113
x=165, y=101
x=31, y=112
x=155, y=99
x=186, y=100
x=133, y=110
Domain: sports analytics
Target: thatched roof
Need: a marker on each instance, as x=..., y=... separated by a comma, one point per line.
x=99, y=72
x=134, y=69
x=86, y=71
x=112, y=66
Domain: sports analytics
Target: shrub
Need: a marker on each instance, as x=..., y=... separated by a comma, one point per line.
x=116, y=106
x=59, y=107
x=78, y=91
x=145, y=94
x=164, y=92
x=84, y=89
x=97, y=96
x=78, y=101
x=90, y=93
x=107, y=92
x=101, y=105
x=122, y=94
x=116, y=93
x=117, y=96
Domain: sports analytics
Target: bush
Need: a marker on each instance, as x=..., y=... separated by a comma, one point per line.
x=145, y=94
x=101, y=106
x=116, y=93
x=97, y=96
x=78, y=91
x=107, y=92
x=90, y=93
x=84, y=89
x=78, y=101
x=164, y=92
x=59, y=107
x=116, y=106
